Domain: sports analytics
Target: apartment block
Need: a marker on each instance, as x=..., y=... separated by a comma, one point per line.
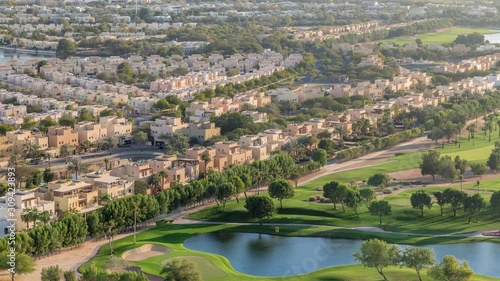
x=116, y=126
x=59, y=136
x=197, y=152
x=201, y=131
x=19, y=138
x=236, y=155
x=166, y=125
x=89, y=131
x=71, y=195
x=105, y=184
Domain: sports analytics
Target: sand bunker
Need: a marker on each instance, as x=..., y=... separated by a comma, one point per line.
x=145, y=251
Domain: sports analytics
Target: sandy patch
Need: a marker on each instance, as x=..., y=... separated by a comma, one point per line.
x=145, y=251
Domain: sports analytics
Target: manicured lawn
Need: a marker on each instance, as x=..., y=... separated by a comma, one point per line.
x=404, y=219
x=214, y=267
x=440, y=37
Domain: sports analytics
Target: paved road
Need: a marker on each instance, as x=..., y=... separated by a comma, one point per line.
x=144, y=151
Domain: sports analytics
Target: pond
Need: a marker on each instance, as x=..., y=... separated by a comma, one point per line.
x=268, y=255
x=493, y=38
x=6, y=55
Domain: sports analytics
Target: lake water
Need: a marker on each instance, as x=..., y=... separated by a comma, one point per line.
x=268, y=255
x=494, y=37
x=6, y=55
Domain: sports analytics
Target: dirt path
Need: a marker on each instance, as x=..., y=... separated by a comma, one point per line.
x=375, y=158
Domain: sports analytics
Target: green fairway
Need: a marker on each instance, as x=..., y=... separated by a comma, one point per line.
x=476, y=151
x=214, y=267
x=440, y=37
x=404, y=218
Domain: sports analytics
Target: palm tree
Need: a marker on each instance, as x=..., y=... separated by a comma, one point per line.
x=164, y=177
x=111, y=232
x=154, y=182
x=75, y=165
x=31, y=149
x=27, y=217
x=106, y=161
x=472, y=129
x=205, y=157
x=48, y=156
x=16, y=160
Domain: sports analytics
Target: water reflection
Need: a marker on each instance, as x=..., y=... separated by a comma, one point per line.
x=267, y=255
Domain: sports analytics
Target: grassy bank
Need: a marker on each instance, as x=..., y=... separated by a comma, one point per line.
x=214, y=267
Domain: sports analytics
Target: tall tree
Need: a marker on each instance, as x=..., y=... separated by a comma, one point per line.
x=430, y=163
x=239, y=187
x=455, y=198
x=460, y=165
x=380, y=208
x=446, y=168
x=224, y=192
x=440, y=200
x=367, y=195
x=377, y=254
x=495, y=201
x=259, y=207
x=420, y=200
x=473, y=205
x=353, y=199
x=418, y=258
x=281, y=189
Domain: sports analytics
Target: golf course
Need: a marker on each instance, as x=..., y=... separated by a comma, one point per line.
x=308, y=215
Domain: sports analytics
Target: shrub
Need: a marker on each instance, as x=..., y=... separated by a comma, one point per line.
x=395, y=188
x=318, y=197
x=387, y=191
x=320, y=188
x=312, y=199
